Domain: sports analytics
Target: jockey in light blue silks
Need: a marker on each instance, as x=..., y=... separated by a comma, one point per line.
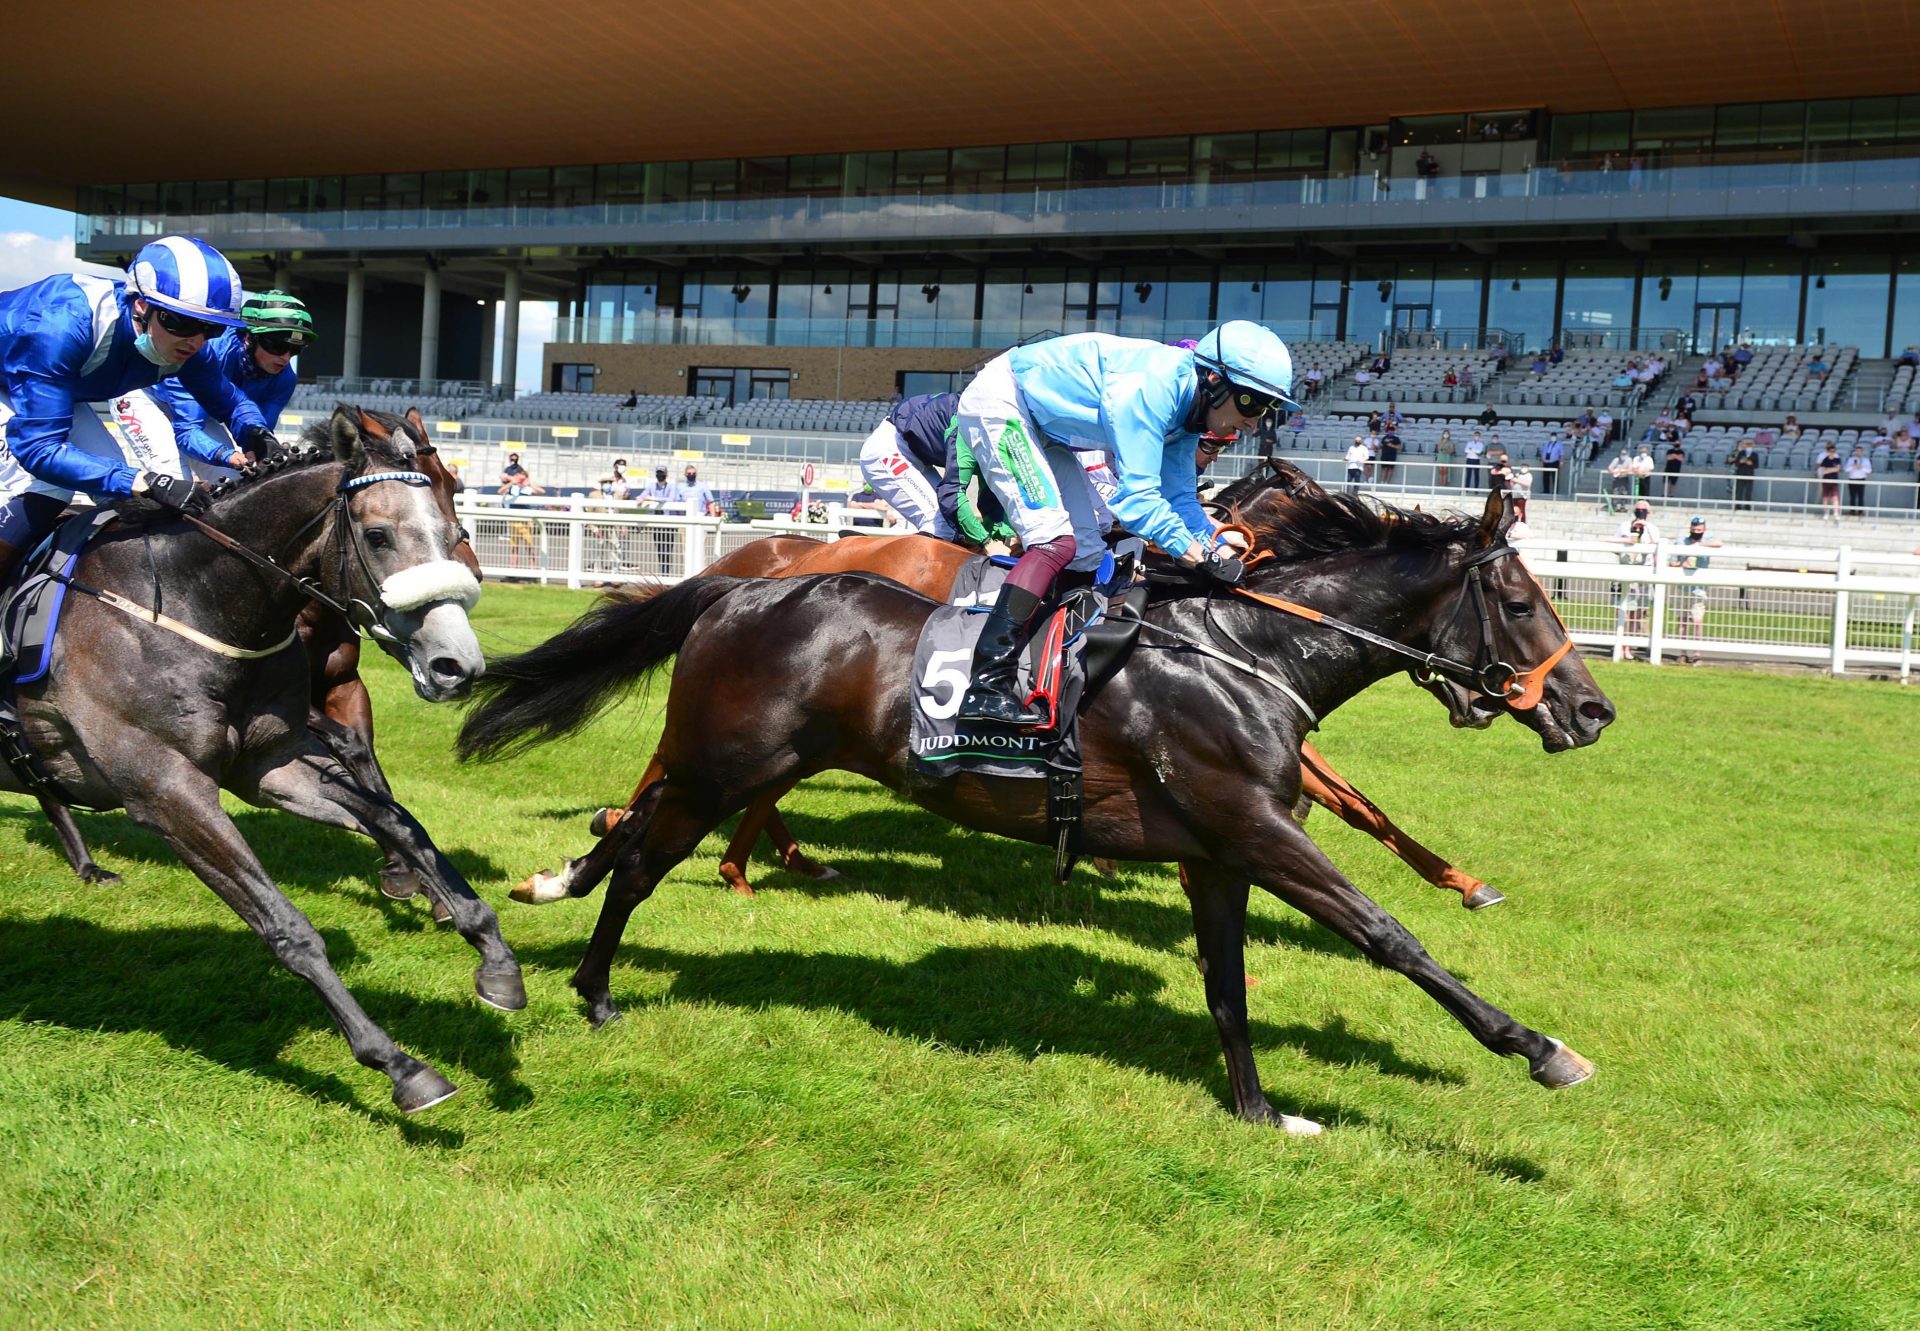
x=162, y=422
x=68, y=341
x=1145, y=405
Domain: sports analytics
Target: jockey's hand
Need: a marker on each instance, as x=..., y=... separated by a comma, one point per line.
x=1228, y=538
x=1220, y=566
x=176, y=492
x=261, y=443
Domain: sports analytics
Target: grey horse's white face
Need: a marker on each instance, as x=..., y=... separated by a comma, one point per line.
x=406, y=543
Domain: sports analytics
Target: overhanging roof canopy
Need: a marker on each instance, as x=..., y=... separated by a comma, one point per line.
x=158, y=92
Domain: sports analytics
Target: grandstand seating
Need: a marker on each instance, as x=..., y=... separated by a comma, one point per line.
x=1416, y=376
x=1777, y=380
x=1582, y=378
x=799, y=414
x=653, y=410
x=316, y=401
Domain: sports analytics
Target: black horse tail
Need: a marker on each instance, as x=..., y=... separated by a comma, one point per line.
x=572, y=677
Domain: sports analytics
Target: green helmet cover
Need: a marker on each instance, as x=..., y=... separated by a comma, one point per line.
x=277, y=312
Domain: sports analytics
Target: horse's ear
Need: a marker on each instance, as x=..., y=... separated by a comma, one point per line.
x=1496, y=519
x=370, y=427
x=419, y=425
x=343, y=432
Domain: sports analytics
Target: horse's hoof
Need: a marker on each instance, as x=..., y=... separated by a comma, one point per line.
x=809, y=868
x=1483, y=896
x=399, y=885
x=93, y=873
x=423, y=1088
x=602, y=1015
x=736, y=879
x=502, y=989
x=442, y=913
x=605, y=820
x=540, y=889
x=1561, y=1068
x=1106, y=868
x=1295, y=1126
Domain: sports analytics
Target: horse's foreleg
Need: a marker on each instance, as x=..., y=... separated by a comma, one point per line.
x=310, y=784
x=1219, y=901
x=73, y=844
x=183, y=805
x=792, y=858
x=1281, y=858
x=1332, y=791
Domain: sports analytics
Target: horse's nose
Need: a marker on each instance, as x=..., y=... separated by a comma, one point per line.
x=1596, y=714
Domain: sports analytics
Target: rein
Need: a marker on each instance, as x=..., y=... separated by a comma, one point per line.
x=1492, y=676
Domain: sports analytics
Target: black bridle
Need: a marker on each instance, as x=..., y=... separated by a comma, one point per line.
x=366, y=616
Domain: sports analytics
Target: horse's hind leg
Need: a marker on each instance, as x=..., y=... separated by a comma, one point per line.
x=1282, y=859
x=670, y=834
x=183, y=805
x=309, y=783
x=1219, y=901
x=1329, y=789
x=73, y=844
x=579, y=877
x=346, y=728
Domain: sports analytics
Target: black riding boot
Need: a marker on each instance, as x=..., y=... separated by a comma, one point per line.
x=994, y=693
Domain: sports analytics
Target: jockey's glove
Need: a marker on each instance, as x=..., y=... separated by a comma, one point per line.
x=1220, y=566
x=176, y=492
x=262, y=443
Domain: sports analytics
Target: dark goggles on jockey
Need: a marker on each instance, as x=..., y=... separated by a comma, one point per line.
x=184, y=325
x=280, y=344
x=1253, y=405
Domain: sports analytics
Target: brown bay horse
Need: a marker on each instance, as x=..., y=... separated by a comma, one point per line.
x=929, y=566
x=751, y=710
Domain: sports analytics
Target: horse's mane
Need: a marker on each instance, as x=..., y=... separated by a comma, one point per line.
x=1311, y=526
x=317, y=441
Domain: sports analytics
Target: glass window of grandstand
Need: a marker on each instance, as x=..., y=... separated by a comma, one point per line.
x=739, y=385
x=1520, y=302
x=1165, y=304
x=1906, y=307
x=570, y=378
x=811, y=308
x=1847, y=302
x=1770, y=300
x=731, y=306
x=1596, y=304
x=917, y=383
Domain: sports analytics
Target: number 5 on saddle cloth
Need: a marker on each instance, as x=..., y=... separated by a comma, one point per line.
x=1075, y=643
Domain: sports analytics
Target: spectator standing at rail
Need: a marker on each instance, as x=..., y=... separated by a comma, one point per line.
x=1358, y=456
x=1500, y=474
x=1520, y=486
x=1552, y=454
x=511, y=474
x=1691, y=617
x=691, y=497
x=1639, y=533
x=1470, y=453
x=1443, y=455
x=1674, y=464
x=1643, y=472
x=1389, y=454
x=1745, y=462
x=1857, y=468
x=1827, y=467
x=654, y=498
x=1619, y=479
x=614, y=485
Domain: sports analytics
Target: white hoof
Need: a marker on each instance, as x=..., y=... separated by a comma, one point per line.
x=541, y=889
x=1299, y=1127
x=826, y=875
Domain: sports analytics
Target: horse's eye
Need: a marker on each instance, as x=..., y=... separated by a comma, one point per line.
x=379, y=538
x=1519, y=609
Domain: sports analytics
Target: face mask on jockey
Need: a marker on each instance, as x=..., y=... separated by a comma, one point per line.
x=144, y=345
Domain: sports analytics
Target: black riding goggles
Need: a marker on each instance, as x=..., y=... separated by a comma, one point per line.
x=280, y=344
x=184, y=325
x=1254, y=406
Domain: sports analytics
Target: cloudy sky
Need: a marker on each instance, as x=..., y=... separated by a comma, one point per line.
x=37, y=242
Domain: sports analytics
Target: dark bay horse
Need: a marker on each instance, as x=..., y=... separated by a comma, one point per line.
x=1188, y=758
x=158, y=710
x=341, y=710
x=929, y=566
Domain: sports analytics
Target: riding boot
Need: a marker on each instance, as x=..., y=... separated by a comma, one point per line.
x=994, y=693
x=9, y=556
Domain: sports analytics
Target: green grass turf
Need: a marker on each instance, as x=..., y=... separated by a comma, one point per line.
x=943, y=1092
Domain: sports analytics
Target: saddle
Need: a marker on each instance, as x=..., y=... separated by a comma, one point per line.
x=29, y=621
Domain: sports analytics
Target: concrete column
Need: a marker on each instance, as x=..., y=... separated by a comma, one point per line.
x=488, y=325
x=510, y=332
x=429, y=327
x=356, y=316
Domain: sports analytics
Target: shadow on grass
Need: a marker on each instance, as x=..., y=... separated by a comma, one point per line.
x=297, y=854
x=1047, y=998
x=219, y=994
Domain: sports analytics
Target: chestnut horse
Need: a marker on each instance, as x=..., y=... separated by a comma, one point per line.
x=1188, y=756
x=929, y=567
x=341, y=713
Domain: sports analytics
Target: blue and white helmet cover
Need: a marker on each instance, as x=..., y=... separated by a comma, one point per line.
x=188, y=276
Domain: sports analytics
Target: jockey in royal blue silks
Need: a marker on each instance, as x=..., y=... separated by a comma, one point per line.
x=70, y=340
x=1145, y=405
x=162, y=422
x=912, y=462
